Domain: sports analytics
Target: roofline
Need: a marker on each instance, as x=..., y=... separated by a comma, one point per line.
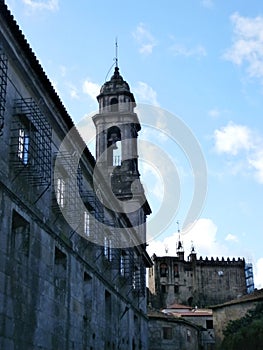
x=245, y=299
x=16, y=32
x=173, y=319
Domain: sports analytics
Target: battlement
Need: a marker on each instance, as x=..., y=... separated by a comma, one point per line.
x=222, y=261
x=201, y=260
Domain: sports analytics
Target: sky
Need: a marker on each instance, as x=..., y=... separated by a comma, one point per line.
x=200, y=61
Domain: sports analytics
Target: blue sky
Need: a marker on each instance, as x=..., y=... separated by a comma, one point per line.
x=201, y=60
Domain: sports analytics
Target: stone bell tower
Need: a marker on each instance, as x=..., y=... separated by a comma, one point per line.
x=117, y=127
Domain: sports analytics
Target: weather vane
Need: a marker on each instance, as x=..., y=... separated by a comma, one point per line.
x=178, y=226
x=116, y=52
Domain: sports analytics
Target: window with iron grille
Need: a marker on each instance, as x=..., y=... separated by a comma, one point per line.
x=30, y=140
x=107, y=248
x=86, y=223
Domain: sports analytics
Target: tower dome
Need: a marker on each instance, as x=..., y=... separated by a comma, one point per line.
x=115, y=84
x=115, y=94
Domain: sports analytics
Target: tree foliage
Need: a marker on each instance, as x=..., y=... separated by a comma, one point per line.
x=245, y=333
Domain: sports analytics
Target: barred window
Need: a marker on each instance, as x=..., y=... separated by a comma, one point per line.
x=86, y=223
x=122, y=265
x=30, y=143
x=60, y=192
x=23, y=146
x=108, y=248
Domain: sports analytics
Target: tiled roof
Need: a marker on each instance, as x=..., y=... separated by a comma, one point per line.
x=193, y=314
x=178, y=306
x=155, y=314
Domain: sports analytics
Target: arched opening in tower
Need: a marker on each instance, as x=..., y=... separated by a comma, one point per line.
x=114, y=146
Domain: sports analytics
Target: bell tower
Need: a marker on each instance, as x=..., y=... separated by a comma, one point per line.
x=117, y=127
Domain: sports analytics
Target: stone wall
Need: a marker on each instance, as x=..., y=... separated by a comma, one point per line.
x=223, y=314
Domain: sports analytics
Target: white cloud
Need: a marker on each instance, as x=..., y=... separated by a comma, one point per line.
x=73, y=91
x=256, y=161
x=207, y=3
x=144, y=39
x=239, y=140
x=247, y=47
x=145, y=93
x=51, y=5
x=152, y=181
x=231, y=238
x=91, y=89
x=214, y=113
x=181, y=50
x=63, y=70
x=258, y=273
x=232, y=138
x=202, y=235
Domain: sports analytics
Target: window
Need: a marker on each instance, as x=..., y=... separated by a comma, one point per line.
x=107, y=248
x=86, y=223
x=23, y=146
x=60, y=274
x=209, y=324
x=20, y=232
x=114, y=146
x=87, y=293
x=176, y=271
x=30, y=142
x=163, y=288
x=117, y=154
x=108, y=309
x=60, y=192
x=167, y=333
x=176, y=288
x=163, y=270
x=114, y=105
x=136, y=281
x=122, y=265
x=60, y=259
x=188, y=335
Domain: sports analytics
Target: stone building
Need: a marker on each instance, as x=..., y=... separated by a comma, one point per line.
x=72, y=262
x=203, y=318
x=195, y=282
x=167, y=332
x=233, y=310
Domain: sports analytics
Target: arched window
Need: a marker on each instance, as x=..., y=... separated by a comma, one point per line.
x=114, y=146
x=176, y=271
x=163, y=270
x=114, y=107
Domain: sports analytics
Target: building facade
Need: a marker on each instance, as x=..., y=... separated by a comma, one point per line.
x=72, y=257
x=195, y=282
